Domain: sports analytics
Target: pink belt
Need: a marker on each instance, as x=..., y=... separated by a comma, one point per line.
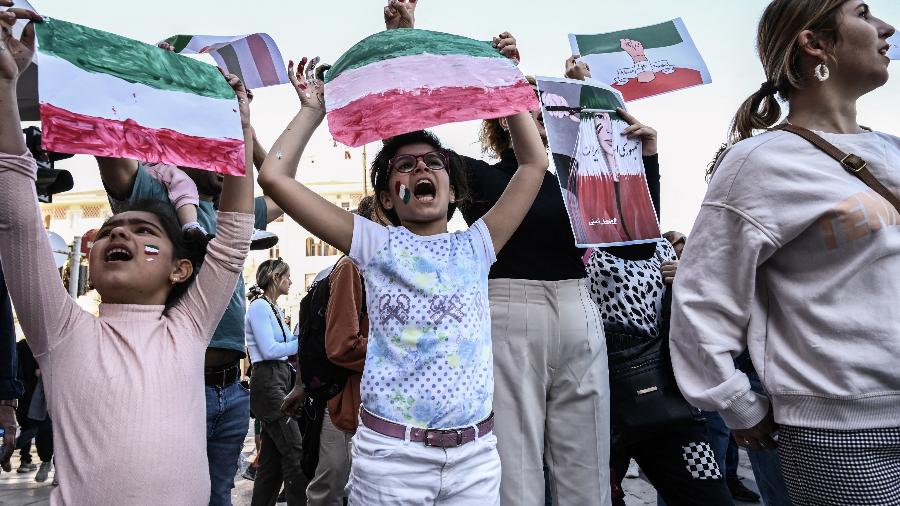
x=440, y=438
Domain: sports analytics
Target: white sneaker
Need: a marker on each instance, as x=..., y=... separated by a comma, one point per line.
x=43, y=472
x=262, y=239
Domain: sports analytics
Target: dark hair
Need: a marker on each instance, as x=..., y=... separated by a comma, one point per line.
x=366, y=207
x=494, y=138
x=185, y=247
x=380, y=171
x=779, y=51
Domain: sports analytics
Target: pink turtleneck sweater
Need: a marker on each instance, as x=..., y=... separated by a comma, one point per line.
x=125, y=390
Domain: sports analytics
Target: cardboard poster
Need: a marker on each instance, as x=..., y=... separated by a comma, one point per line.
x=642, y=62
x=600, y=172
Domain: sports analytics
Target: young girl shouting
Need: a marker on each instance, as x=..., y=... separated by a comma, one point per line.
x=125, y=388
x=428, y=385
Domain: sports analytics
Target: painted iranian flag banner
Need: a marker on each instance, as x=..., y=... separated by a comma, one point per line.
x=646, y=61
x=127, y=99
x=254, y=58
x=399, y=81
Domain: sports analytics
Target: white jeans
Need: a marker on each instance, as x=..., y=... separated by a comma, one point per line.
x=389, y=471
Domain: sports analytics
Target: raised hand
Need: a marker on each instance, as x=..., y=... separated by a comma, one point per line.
x=576, y=69
x=635, y=128
x=400, y=14
x=15, y=54
x=634, y=48
x=242, y=97
x=506, y=43
x=310, y=90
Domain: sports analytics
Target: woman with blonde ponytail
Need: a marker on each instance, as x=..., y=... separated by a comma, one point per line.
x=269, y=343
x=795, y=258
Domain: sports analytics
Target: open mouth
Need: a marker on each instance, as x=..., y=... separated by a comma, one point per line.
x=118, y=255
x=884, y=50
x=424, y=191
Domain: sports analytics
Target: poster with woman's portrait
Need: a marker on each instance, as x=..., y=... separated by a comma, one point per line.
x=600, y=171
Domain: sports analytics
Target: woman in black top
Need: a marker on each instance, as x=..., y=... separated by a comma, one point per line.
x=551, y=383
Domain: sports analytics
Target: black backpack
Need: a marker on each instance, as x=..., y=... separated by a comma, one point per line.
x=322, y=379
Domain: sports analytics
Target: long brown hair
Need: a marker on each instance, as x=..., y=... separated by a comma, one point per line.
x=778, y=45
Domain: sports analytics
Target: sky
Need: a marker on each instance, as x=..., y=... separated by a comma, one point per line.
x=691, y=123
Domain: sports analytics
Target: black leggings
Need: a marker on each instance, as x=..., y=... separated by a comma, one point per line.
x=42, y=433
x=678, y=462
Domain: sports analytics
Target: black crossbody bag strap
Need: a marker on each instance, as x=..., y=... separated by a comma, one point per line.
x=850, y=162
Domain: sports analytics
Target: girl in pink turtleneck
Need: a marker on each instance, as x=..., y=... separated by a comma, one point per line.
x=125, y=388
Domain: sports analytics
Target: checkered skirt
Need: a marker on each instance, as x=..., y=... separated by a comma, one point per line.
x=842, y=468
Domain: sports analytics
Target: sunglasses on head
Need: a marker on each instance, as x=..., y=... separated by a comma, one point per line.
x=434, y=160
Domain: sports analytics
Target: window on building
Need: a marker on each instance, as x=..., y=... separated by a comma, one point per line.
x=319, y=248
x=275, y=252
x=91, y=210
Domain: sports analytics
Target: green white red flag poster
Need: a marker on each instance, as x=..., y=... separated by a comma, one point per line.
x=128, y=99
x=600, y=171
x=399, y=81
x=646, y=61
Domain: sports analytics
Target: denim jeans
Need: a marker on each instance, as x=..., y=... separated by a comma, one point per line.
x=227, y=422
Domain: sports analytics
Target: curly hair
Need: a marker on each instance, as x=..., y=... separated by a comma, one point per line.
x=493, y=137
x=381, y=171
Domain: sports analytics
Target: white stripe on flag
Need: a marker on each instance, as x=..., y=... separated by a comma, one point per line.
x=248, y=66
x=418, y=72
x=108, y=97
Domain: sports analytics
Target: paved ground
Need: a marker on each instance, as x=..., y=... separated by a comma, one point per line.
x=21, y=489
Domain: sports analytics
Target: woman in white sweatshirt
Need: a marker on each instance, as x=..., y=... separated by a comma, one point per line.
x=796, y=259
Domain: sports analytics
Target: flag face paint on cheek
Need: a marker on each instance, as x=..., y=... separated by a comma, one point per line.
x=403, y=192
x=151, y=251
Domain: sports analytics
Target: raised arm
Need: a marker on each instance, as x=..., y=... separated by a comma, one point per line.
x=504, y=218
x=43, y=306
x=314, y=213
x=118, y=175
x=273, y=212
x=205, y=301
x=237, y=191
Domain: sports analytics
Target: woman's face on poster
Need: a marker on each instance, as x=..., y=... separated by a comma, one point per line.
x=603, y=125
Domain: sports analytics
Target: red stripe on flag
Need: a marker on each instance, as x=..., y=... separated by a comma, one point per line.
x=379, y=116
x=63, y=131
x=262, y=57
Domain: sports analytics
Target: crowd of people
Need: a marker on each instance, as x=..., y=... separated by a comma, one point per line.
x=495, y=365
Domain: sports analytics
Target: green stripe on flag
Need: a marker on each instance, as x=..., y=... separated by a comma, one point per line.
x=661, y=35
x=598, y=98
x=179, y=42
x=102, y=52
x=407, y=42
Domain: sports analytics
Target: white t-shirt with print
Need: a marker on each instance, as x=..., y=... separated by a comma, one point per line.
x=429, y=361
